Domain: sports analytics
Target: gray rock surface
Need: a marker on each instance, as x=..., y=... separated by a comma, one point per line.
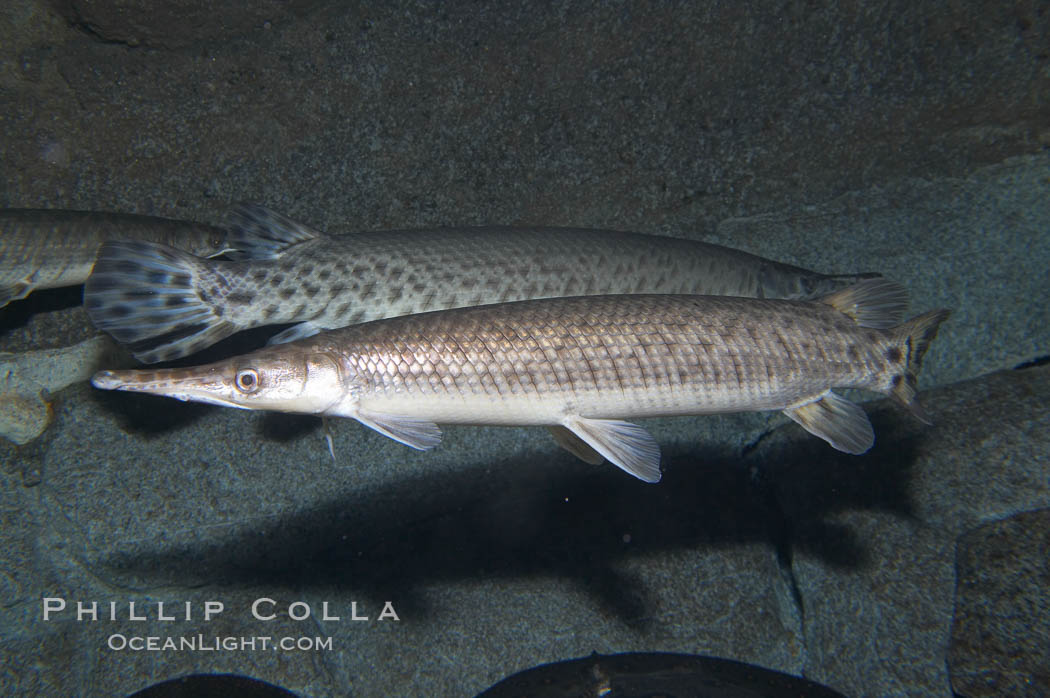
x=174, y=23
x=1000, y=643
x=907, y=137
x=872, y=541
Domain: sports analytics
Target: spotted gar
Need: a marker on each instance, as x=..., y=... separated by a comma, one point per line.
x=164, y=304
x=583, y=365
x=45, y=248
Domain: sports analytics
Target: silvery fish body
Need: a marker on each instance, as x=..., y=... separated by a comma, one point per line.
x=164, y=304
x=42, y=248
x=581, y=365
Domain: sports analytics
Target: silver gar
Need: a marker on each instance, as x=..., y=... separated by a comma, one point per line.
x=41, y=248
x=582, y=365
x=164, y=304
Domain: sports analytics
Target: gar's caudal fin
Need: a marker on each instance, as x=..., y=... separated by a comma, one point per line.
x=913, y=339
x=256, y=232
x=878, y=303
x=150, y=298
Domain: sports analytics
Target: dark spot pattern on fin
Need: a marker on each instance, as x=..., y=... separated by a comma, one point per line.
x=256, y=232
x=915, y=337
x=156, y=346
x=145, y=295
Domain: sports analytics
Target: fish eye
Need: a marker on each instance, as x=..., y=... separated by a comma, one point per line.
x=247, y=380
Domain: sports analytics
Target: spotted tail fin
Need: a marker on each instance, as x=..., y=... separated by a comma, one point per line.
x=914, y=337
x=150, y=297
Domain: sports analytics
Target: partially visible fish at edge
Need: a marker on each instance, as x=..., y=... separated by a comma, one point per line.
x=165, y=304
x=51, y=248
x=583, y=365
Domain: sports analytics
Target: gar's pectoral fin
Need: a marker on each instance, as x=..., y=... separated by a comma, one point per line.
x=575, y=445
x=417, y=433
x=626, y=445
x=838, y=421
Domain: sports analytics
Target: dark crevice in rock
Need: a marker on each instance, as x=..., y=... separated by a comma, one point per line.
x=77, y=20
x=780, y=531
x=1033, y=363
x=93, y=32
x=749, y=447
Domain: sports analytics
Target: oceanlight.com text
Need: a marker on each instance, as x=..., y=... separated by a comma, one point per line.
x=215, y=643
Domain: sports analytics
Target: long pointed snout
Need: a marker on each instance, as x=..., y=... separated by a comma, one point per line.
x=210, y=384
x=142, y=381
x=156, y=380
x=286, y=378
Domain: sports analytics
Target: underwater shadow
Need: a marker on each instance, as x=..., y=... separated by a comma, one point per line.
x=511, y=518
x=18, y=313
x=284, y=428
x=148, y=416
x=505, y=519
x=807, y=484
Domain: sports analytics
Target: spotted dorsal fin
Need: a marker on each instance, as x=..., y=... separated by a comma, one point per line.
x=256, y=232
